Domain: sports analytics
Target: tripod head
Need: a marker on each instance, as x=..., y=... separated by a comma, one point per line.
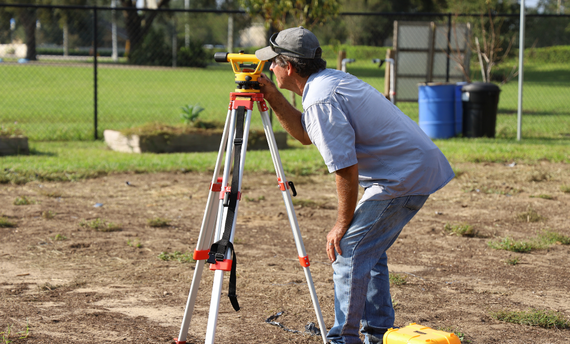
x=247, y=69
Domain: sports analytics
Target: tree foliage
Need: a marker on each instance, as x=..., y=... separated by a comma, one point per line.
x=138, y=23
x=279, y=15
x=493, y=36
x=28, y=17
x=373, y=30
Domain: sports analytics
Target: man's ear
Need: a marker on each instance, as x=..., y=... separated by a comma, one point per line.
x=290, y=69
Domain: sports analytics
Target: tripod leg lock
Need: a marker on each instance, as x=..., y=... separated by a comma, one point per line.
x=225, y=265
x=225, y=195
x=201, y=254
x=216, y=187
x=283, y=186
x=304, y=261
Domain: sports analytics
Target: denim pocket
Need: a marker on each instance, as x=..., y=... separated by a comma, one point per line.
x=415, y=202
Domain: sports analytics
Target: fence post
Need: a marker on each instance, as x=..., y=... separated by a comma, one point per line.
x=448, y=46
x=341, y=56
x=521, y=71
x=95, y=71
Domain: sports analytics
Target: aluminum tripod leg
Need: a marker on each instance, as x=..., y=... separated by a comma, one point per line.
x=219, y=274
x=303, y=258
x=206, y=235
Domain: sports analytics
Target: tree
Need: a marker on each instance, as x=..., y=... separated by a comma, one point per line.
x=27, y=19
x=279, y=15
x=493, y=36
x=138, y=23
x=65, y=19
x=552, y=6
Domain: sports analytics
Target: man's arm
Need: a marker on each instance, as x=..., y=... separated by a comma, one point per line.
x=347, y=190
x=288, y=116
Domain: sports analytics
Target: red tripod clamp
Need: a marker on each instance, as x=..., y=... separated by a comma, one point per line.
x=246, y=100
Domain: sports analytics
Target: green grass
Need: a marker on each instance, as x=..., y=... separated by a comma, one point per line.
x=5, y=223
x=69, y=161
x=463, y=229
x=510, y=244
x=158, y=222
x=398, y=279
x=530, y=215
x=455, y=331
x=543, y=240
x=58, y=101
x=59, y=237
x=513, y=261
x=543, y=196
x=24, y=200
x=549, y=237
x=134, y=243
x=58, y=104
x=7, y=334
x=101, y=225
x=48, y=214
x=55, y=102
x=533, y=317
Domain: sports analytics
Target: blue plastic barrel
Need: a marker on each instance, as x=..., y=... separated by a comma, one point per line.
x=459, y=108
x=437, y=110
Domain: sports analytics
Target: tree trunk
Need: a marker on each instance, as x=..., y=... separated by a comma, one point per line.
x=138, y=26
x=28, y=18
x=66, y=38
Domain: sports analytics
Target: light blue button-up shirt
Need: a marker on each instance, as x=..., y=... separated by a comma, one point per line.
x=350, y=122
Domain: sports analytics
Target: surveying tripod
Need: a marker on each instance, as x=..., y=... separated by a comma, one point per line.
x=223, y=199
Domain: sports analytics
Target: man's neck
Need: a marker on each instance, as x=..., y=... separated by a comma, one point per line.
x=299, y=86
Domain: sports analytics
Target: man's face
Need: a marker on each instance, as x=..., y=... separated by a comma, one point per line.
x=281, y=74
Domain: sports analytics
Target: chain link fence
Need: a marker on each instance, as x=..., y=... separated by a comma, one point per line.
x=69, y=73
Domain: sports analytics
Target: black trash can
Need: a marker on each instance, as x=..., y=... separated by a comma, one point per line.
x=480, y=101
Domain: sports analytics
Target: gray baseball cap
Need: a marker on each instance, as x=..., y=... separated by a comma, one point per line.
x=295, y=42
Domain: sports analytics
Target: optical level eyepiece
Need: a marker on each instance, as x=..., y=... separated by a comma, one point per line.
x=221, y=57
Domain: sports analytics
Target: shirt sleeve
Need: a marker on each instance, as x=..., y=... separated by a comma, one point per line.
x=332, y=134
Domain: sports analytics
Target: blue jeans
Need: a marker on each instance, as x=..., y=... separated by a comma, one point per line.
x=361, y=278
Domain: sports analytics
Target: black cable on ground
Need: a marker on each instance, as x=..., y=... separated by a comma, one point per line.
x=310, y=328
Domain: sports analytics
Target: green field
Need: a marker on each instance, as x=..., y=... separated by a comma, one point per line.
x=54, y=101
x=67, y=161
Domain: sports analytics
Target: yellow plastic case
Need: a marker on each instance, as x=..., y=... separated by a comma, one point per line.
x=418, y=334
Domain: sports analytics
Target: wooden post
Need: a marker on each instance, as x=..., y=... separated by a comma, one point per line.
x=431, y=52
x=341, y=56
x=389, y=55
x=393, y=54
x=387, y=75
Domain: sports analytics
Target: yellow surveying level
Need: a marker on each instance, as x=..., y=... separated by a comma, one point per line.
x=247, y=69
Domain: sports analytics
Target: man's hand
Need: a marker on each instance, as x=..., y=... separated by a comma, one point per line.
x=347, y=190
x=267, y=87
x=333, y=241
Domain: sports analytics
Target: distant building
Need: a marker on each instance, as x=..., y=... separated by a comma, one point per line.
x=253, y=36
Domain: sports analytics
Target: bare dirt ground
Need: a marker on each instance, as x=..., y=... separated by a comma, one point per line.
x=62, y=281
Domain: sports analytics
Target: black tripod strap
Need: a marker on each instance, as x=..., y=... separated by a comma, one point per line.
x=219, y=248
x=232, y=287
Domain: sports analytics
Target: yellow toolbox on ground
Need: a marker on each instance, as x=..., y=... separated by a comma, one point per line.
x=418, y=334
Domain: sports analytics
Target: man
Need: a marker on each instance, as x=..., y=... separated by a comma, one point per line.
x=364, y=139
